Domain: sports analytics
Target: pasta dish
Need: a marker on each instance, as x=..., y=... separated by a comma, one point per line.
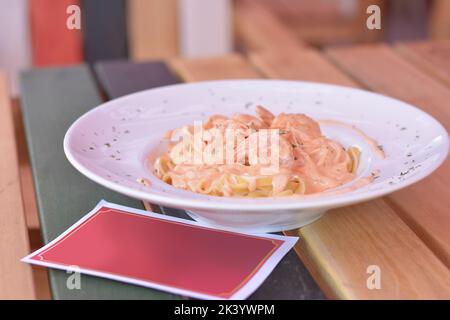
x=255, y=156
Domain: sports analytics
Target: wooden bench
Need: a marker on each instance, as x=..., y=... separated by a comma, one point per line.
x=405, y=234
x=16, y=281
x=372, y=230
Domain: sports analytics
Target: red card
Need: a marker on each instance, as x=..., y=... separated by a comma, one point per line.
x=165, y=253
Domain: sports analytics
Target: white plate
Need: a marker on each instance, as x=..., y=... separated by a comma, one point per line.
x=110, y=144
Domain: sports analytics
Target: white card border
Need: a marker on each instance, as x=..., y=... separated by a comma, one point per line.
x=246, y=290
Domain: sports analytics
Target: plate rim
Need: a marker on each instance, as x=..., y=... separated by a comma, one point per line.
x=325, y=201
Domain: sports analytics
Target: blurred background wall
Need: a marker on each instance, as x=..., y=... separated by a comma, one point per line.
x=34, y=33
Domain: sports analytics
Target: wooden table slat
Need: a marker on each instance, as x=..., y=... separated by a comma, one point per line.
x=152, y=29
x=431, y=56
x=104, y=29
x=16, y=281
x=425, y=206
x=257, y=28
x=293, y=64
x=231, y=66
x=340, y=246
x=290, y=279
x=119, y=78
x=26, y=177
x=52, y=43
x=51, y=100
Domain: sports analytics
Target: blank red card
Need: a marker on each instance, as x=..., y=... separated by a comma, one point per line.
x=165, y=253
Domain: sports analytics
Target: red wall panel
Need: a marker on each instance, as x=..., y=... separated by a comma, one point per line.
x=52, y=42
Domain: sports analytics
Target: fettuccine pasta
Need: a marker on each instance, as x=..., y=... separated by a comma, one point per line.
x=308, y=162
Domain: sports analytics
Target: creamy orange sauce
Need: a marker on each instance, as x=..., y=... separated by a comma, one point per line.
x=363, y=181
x=308, y=162
x=371, y=142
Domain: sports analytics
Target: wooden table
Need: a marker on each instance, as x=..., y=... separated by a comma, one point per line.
x=406, y=234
